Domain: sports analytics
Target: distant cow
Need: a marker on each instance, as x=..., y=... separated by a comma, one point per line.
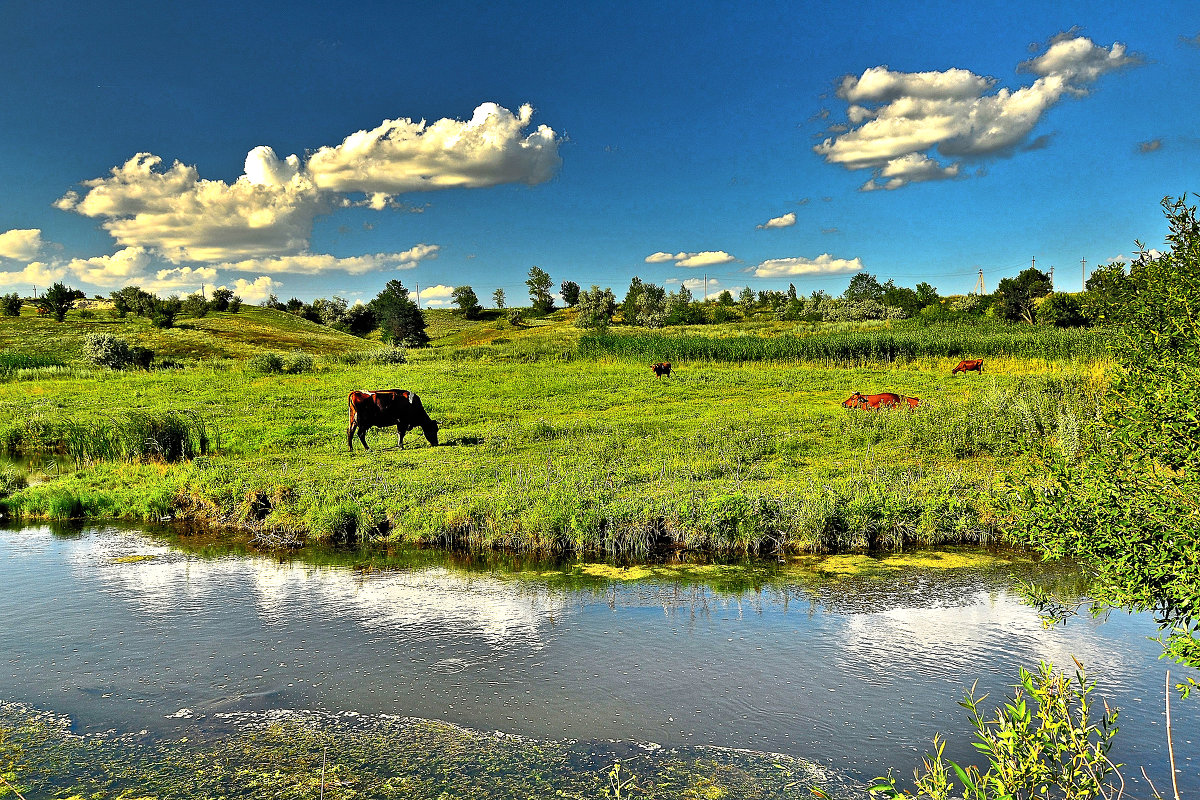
x=661, y=368
x=969, y=365
x=877, y=401
x=384, y=408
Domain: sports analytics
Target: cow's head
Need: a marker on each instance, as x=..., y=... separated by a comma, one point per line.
x=430, y=429
x=856, y=400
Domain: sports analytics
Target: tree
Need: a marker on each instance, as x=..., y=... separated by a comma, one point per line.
x=901, y=297
x=273, y=302
x=645, y=304
x=1015, y=296
x=1126, y=504
x=926, y=294
x=1061, y=310
x=11, y=304
x=400, y=321
x=681, y=308
x=570, y=292
x=539, y=284
x=194, y=305
x=1108, y=291
x=164, y=311
x=629, y=304
x=360, y=319
x=725, y=298
x=498, y=299
x=221, y=297
x=467, y=301
x=863, y=286
x=58, y=300
x=596, y=308
x=746, y=300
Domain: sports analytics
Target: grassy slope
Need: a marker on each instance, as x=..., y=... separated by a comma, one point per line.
x=548, y=453
x=213, y=336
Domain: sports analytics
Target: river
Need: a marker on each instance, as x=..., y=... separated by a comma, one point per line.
x=125, y=631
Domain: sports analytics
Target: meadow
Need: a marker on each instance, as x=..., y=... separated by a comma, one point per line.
x=553, y=440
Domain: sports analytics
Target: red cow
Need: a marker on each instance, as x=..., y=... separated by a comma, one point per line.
x=969, y=365
x=877, y=401
x=384, y=408
x=661, y=368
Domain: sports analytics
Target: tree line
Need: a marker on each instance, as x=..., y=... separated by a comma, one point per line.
x=1028, y=297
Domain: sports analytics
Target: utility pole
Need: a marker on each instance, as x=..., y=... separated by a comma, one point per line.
x=706, y=287
x=1083, y=275
x=1052, y=278
x=979, y=284
x=418, y=296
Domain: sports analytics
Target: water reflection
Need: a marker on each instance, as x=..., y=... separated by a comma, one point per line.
x=121, y=630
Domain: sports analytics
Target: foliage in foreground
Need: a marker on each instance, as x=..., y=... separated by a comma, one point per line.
x=1046, y=742
x=1130, y=504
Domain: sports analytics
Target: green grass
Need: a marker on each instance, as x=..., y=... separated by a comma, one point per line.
x=549, y=450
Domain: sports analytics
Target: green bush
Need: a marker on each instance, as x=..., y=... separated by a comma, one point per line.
x=266, y=363
x=106, y=350
x=297, y=362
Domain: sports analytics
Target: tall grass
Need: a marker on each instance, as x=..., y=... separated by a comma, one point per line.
x=857, y=347
x=168, y=436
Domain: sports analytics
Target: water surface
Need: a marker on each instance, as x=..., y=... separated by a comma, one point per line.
x=125, y=632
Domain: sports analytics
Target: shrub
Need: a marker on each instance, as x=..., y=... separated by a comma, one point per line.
x=389, y=355
x=106, y=350
x=266, y=363
x=297, y=361
x=10, y=305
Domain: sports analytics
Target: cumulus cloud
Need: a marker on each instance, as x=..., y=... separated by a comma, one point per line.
x=437, y=295
x=901, y=123
x=257, y=290
x=824, y=264
x=180, y=280
x=36, y=273
x=404, y=156
x=21, y=244
x=316, y=263
x=268, y=211
x=123, y=268
x=785, y=221
x=706, y=258
x=185, y=218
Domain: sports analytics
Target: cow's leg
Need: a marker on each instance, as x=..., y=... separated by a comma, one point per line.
x=400, y=431
x=362, y=437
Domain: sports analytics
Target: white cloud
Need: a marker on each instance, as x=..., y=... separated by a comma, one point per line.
x=180, y=280
x=404, y=156
x=123, y=268
x=824, y=264
x=268, y=212
x=437, y=295
x=185, y=218
x=21, y=244
x=785, y=221
x=315, y=263
x=703, y=259
x=36, y=273
x=899, y=120
x=257, y=290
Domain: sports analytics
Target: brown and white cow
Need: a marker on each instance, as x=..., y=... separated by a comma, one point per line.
x=661, y=368
x=386, y=407
x=877, y=401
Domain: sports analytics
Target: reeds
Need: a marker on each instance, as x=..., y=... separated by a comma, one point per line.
x=856, y=347
x=168, y=436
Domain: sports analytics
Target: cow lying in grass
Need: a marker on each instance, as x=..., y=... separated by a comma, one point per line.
x=384, y=408
x=877, y=401
x=969, y=365
x=661, y=368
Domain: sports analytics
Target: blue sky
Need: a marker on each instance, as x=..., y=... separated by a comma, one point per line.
x=313, y=150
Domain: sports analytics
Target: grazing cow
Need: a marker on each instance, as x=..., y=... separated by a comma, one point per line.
x=969, y=365
x=384, y=408
x=661, y=368
x=877, y=401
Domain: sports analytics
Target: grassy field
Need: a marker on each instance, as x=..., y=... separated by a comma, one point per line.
x=551, y=444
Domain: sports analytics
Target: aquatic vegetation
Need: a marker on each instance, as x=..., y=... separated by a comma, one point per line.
x=340, y=757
